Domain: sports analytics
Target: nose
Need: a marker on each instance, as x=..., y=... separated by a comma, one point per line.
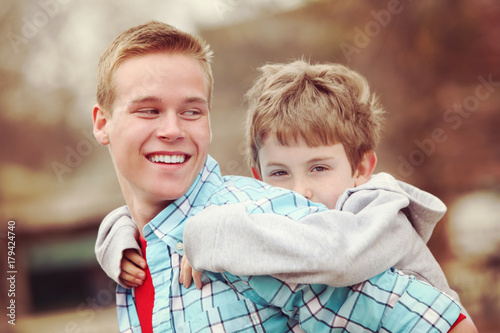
x=303, y=188
x=169, y=127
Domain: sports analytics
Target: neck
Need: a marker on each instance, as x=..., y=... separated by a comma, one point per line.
x=142, y=209
x=143, y=213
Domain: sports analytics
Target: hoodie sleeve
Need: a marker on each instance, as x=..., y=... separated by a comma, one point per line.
x=338, y=248
x=117, y=233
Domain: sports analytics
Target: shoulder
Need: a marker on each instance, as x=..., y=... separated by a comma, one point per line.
x=384, y=183
x=239, y=189
x=260, y=197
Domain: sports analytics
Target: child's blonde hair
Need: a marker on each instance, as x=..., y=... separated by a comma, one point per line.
x=145, y=39
x=324, y=104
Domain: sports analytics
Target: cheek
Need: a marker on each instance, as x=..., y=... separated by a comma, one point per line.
x=122, y=157
x=277, y=182
x=270, y=181
x=329, y=198
x=202, y=135
x=126, y=143
x=336, y=191
x=267, y=179
x=329, y=190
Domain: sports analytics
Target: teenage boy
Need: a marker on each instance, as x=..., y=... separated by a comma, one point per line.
x=154, y=88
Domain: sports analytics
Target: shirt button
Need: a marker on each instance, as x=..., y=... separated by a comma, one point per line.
x=179, y=246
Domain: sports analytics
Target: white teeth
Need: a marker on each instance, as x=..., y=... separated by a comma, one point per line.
x=171, y=159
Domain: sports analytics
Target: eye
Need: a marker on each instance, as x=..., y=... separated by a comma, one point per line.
x=191, y=114
x=319, y=168
x=148, y=112
x=278, y=173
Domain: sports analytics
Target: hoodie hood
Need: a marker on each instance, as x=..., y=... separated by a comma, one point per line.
x=424, y=210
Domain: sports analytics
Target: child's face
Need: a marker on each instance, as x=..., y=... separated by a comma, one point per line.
x=320, y=174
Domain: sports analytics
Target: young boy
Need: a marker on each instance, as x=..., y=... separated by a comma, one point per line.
x=312, y=129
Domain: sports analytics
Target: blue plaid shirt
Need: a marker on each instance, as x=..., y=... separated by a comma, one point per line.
x=390, y=302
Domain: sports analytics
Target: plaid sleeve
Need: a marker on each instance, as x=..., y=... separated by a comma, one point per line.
x=422, y=308
x=390, y=302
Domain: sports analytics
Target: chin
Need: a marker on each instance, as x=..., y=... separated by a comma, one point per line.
x=169, y=189
x=170, y=195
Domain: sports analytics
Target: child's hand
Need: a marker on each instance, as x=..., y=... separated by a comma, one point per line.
x=186, y=272
x=132, y=269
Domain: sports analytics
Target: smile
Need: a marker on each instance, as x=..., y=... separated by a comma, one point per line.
x=170, y=159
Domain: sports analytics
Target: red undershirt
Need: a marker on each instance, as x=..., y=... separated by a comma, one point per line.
x=145, y=297
x=459, y=319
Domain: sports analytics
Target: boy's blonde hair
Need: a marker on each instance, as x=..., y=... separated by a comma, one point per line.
x=324, y=104
x=145, y=39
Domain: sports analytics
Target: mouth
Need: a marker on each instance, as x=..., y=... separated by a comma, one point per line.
x=168, y=159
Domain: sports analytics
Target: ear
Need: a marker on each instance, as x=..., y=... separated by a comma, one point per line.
x=255, y=174
x=100, y=120
x=365, y=168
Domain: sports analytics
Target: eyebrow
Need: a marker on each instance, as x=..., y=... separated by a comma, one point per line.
x=321, y=159
x=311, y=161
x=274, y=164
x=145, y=99
x=190, y=100
x=156, y=99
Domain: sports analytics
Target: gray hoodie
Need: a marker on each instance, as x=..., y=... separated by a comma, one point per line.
x=381, y=224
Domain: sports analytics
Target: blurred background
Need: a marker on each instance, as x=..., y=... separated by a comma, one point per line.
x=434, y=64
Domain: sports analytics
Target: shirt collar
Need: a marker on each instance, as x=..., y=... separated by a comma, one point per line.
x=168, y=225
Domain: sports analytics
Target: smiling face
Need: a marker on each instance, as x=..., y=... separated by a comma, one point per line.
x=159, y=130
x=320, y=173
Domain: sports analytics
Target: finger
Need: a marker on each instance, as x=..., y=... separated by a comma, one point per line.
x=133, y=256
x=129, y=268
x=197, y=279
x=181, y=273
x=128, y=285
x=186, y=272
x=130, y=280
